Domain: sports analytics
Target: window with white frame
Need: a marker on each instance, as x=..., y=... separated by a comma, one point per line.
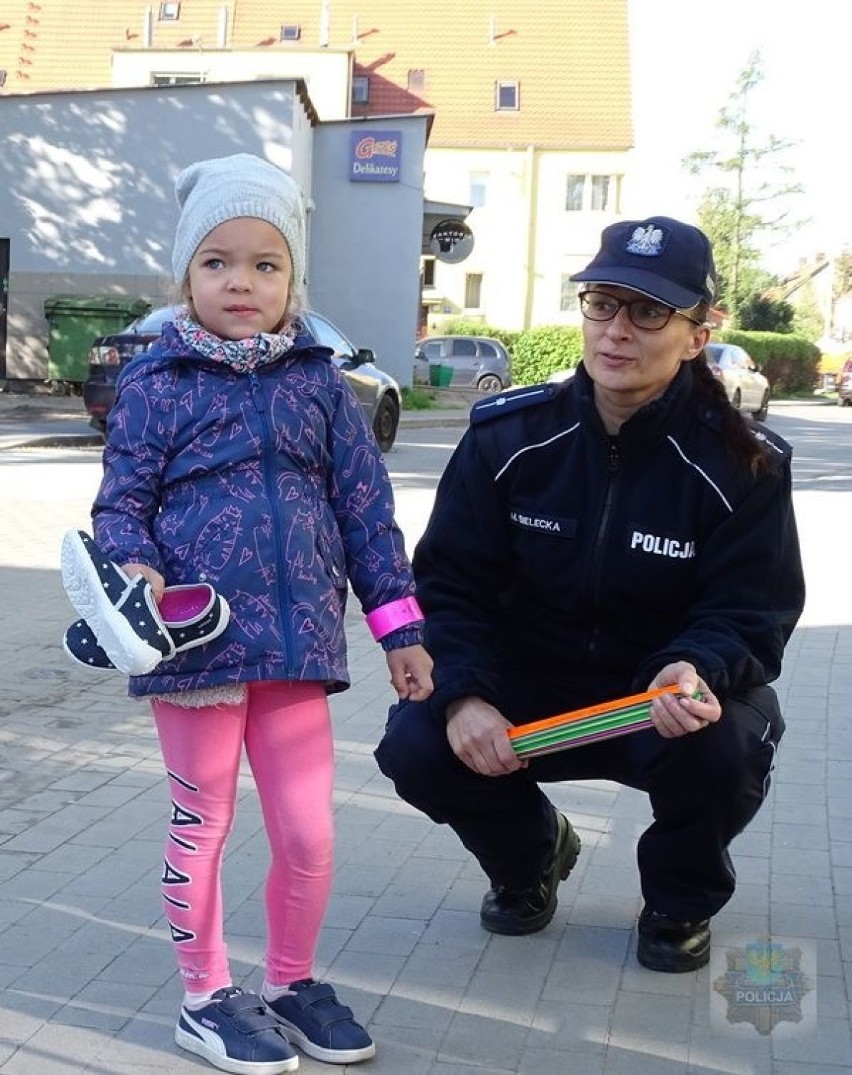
x=507, y=96
x=473, y=290
x=569, y=303
x=574, y=187
x=598, y=193
x=169, y=12
x=478, y=189
x=360, y=90
x=290, y=32
x=603, y=192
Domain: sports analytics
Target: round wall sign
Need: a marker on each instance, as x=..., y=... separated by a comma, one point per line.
x=451, y=240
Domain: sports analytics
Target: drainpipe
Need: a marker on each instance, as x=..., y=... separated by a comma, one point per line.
x=532, y=222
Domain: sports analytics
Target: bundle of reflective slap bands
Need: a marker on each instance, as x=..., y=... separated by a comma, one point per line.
x=589, y=725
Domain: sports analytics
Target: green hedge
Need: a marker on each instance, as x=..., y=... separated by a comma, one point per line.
x=791, y=363
x=538, y=352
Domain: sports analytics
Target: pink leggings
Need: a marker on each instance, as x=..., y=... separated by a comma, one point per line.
x=286, y=729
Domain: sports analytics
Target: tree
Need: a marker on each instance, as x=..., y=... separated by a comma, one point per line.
x=842, y=275
x=750, y=180
x=759, y=313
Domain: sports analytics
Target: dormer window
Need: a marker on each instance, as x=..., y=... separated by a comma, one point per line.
x=507, y=96
x=416, y=80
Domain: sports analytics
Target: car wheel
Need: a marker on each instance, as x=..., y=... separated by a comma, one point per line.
x=490, y=383
x=762, y=411
x=386, y=422
x=737, y=399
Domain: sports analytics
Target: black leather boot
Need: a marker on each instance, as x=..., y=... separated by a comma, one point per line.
x=668, y=945
x=527, y=910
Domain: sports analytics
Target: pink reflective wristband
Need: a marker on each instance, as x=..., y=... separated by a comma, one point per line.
x=395, y=614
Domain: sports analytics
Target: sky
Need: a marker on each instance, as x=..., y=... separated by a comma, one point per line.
x=686, y=59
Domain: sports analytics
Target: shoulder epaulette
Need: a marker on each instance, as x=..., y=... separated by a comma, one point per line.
x=509, y=402
x=767, y=437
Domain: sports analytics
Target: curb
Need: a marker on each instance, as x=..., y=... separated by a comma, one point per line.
x=53, y=440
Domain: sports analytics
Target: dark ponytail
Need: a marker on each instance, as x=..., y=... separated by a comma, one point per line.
x=737, y=430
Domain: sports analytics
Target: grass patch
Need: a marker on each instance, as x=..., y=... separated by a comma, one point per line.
x=418, y=399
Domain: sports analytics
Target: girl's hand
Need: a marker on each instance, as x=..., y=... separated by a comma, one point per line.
x=411, y=672
x=158, y=583
x=674, y=715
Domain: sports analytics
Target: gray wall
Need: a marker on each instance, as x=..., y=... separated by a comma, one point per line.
x=366, y=241
x=86, y=198
x=86, y=187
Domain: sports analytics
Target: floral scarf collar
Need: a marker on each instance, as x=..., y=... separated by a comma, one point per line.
x=242, y=356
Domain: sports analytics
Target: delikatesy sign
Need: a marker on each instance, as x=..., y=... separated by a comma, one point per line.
x=375, y=156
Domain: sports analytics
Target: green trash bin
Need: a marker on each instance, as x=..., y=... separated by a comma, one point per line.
x=75, y=321
x=440, y=376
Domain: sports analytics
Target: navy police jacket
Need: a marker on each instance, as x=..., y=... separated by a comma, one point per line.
x=558, y=554
x=270, y=486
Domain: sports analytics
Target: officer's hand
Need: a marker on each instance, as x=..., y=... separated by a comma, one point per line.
x=674, y=715
x=477, y=735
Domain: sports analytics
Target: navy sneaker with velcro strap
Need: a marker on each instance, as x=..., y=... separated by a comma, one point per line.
x=236, y=1032
x=315, y=1020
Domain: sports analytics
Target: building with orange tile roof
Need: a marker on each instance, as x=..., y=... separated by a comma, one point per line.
x=531, y=101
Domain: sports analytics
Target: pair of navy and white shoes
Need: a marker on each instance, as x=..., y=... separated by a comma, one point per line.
x=122, y=626
x=250, y=1035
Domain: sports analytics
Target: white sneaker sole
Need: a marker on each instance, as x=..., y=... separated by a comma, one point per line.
x=210, y=1047
x=127, y=651
x=330, y=1056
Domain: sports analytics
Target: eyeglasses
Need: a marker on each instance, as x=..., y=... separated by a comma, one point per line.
x=643, y=313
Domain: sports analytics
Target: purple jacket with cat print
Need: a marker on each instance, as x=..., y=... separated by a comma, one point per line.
x=268, y=485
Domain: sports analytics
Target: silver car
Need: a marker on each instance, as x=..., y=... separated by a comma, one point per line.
x=473, y=361
x=745, y=385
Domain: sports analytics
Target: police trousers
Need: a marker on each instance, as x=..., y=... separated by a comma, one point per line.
x=704, y=788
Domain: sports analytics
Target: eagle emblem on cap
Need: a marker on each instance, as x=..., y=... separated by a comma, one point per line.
x=647, y=241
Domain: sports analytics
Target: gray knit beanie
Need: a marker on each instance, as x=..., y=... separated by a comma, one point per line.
x=213, y=191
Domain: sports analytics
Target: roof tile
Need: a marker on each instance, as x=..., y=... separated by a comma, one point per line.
x=570, y=58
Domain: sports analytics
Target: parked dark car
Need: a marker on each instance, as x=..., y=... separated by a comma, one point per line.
x=378, y=393
x=476, y=361
x=745, y=385
x=844, y=384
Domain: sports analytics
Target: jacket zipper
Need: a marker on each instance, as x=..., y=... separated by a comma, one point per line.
x=277, y=529
x=613, y=465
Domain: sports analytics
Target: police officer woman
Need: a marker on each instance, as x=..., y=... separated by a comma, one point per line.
x=624, y=530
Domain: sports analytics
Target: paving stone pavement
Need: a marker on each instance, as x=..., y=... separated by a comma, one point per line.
x=87, y=980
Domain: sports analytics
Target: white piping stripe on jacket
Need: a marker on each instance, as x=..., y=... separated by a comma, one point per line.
x=767, y=737
x=500, y=401
x=532, y=447
x=762, y=437
x=703, y=473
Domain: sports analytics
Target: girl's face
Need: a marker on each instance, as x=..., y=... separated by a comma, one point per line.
x=240, y=278
x=631, y=366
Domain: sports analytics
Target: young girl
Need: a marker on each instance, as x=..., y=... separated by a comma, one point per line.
x=237, y=456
